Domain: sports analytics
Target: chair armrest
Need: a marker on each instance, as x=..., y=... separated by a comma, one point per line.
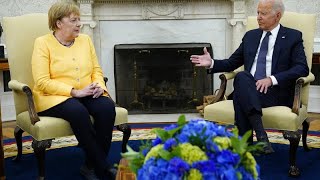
x=230, y=75
x=307, y=79
x=21, y=87
x=297, y=91
x=106, y=80
x=223, y=85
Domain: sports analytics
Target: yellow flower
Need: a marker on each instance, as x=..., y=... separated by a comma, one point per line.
x=222, y=142
x=191, y=153
x=250, y=164
x=195, y=174
x=153, y=152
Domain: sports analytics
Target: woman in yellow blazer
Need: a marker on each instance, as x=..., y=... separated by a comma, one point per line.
x=69, y=84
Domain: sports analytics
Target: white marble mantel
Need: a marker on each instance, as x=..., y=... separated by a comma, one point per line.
x=98, y=14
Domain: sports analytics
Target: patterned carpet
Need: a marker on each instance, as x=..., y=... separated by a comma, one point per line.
x=139, y=134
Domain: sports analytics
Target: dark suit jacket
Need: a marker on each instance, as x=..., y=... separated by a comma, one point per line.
x=288, y=60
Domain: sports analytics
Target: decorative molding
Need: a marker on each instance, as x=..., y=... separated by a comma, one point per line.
x=238, y=9
x=85, y=1
x=86, y=9
x=160, y=10
x=234, y=22
x=91, y=24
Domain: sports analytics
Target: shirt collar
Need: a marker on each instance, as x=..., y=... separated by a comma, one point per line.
x=274, y=31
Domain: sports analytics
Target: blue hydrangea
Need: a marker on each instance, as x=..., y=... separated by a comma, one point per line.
x=169, y=144
x=156, y=141
x=178, y=166
x=245, y=174
x=205, y=167
x=203, y=130
x=145, y=151
x=227, y=174
x=170, y=127
x=155, y=169
x=228, y=157
x=219, y=164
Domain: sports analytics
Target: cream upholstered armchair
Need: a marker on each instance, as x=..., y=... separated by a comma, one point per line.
x=20, y=33
x=288, y=120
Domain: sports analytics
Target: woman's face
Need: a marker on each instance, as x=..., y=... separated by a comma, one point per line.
x=70, y=26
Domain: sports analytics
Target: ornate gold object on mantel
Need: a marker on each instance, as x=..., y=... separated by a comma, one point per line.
x=194, y=101
x=135, y=104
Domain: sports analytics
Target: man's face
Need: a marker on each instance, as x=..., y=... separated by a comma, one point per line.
x=267, y=18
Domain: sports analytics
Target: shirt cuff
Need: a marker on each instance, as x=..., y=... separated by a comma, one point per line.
x=274, y=80
x=211, y=66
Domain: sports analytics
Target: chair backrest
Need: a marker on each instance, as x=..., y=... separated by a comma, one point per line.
x=305, y=23
x=20, y=33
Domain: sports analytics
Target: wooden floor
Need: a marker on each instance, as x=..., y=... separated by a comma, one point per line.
x=8, y=126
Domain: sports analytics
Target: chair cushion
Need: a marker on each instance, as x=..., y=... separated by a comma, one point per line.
x=50, y=127
x=276, y=117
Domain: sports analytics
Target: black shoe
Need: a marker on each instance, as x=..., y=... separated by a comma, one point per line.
x=267, y=148
x=88, y=173
x=112, y=173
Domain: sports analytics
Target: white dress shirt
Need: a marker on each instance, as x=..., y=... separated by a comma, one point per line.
x=272, y=40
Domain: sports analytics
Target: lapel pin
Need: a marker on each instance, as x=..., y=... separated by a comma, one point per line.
x=283, y=37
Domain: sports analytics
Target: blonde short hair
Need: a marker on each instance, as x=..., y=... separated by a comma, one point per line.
x=60, y=10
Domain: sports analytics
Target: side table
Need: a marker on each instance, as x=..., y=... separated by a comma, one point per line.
x=2, y=176
x=3, y=67
x=124, y=173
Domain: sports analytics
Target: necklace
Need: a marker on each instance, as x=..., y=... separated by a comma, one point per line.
x=66, y=45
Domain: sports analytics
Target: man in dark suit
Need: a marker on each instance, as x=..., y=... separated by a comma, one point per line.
x=273, y=57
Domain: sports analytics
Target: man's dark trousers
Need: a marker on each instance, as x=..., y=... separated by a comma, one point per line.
x=248, y=103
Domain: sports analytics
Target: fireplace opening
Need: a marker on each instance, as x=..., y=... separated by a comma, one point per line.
x=160, y=78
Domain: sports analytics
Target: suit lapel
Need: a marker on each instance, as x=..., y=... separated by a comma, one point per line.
x=255, y=44
x=277, y=47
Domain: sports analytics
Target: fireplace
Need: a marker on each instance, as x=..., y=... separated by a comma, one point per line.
x=159, y=78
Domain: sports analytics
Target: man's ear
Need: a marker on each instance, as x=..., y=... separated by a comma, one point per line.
x=279, y=15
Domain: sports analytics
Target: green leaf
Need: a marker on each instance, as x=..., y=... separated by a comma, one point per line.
x=240, y=145
x=165, y=154
x=173, y=131
x=246, y=136
x=134, y=158
x=182, y=120
x=161, y=133
x=131, y=154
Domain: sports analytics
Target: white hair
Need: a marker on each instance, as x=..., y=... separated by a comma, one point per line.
x=277, y=5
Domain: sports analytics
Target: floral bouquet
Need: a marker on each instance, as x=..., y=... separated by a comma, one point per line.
x=194, y=150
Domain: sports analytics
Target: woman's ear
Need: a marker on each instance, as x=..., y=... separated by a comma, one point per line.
x=58, y=23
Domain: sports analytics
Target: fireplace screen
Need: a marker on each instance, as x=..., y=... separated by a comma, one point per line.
x=160, y=78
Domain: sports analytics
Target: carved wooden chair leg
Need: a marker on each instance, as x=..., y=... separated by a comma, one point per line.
x=18, y=136
x=305, y=129
x=126, y=129
x=39, y=148
x=294, y=138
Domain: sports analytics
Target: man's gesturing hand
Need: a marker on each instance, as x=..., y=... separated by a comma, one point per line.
x=202, y=60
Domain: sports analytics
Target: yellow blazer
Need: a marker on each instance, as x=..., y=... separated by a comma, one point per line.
x=57, y=69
